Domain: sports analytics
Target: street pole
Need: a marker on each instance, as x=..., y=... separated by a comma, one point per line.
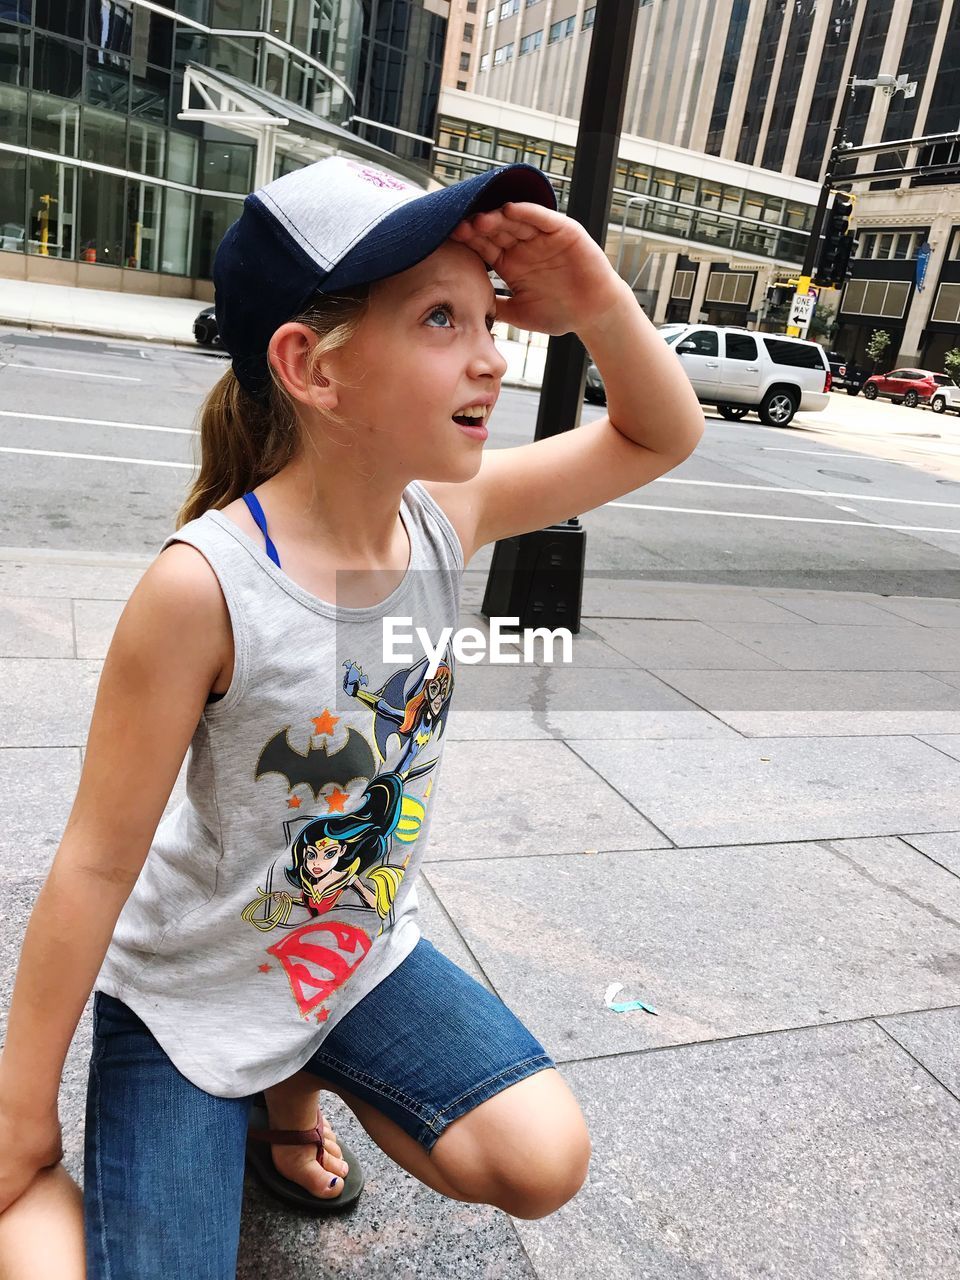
x=813, y=241
x=538, y=577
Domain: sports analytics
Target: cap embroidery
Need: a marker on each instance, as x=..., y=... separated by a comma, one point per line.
x=380, y=179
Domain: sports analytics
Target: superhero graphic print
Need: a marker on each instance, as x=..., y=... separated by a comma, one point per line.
x=342, y=869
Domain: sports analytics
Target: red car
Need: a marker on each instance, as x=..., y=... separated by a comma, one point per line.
x=906, y=386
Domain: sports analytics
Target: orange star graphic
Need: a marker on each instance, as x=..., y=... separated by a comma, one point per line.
x=294, y=802
x=336, y=799
x=265, y=968
x=324, y=723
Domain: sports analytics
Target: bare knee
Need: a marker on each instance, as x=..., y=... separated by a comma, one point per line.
x=536, y=1180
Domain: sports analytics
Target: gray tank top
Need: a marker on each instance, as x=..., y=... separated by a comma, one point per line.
x=281, y=890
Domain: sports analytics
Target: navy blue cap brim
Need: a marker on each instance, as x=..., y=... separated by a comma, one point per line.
x=415, y=230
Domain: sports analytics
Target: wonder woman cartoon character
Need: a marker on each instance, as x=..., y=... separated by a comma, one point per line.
x=346, y=851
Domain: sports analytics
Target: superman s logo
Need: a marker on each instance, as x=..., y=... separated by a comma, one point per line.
x=319, y=958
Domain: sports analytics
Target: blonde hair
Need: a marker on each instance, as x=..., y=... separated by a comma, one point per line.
x=244, y=441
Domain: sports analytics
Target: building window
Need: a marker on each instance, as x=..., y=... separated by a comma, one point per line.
x=560, y=30
x=464, y=62
x=471, y=6
x=468, y=33
x=730, y=286
x=484, y=62
x=509, y=8
x=491, y=14
x=947, y=307
x=588, y=17
x=866, y=245
x=531, y=3
x=530, y=43
x=461, y=84
x=876, y=298
x=503, y=54
x=683, y=284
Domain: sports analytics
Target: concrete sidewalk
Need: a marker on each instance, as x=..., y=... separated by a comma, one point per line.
x=743, y=805
x=147, y=318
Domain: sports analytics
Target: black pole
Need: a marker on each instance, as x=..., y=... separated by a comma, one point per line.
x=538, y=577
x=813, y=242
x=591, y=188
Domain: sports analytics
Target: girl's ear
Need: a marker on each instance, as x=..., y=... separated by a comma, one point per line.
x=290, y=353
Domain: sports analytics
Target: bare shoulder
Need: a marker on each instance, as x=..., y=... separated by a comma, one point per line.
x=181, y=595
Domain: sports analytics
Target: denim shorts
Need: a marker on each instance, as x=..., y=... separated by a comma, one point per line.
x=164, y=1160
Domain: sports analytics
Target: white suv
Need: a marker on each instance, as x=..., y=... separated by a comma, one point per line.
x=740, y=369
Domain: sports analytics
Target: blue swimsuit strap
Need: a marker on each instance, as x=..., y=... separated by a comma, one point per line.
x=257, y=512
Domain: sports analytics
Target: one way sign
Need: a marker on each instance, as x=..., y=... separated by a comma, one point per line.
x=801, y=310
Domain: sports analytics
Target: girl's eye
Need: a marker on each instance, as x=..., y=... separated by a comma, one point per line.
x=442, y=310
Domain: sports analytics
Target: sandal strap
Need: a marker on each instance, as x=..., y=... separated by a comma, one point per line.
x=292, y=1137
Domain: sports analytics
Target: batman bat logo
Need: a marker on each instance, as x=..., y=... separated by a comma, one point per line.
x=316, y=767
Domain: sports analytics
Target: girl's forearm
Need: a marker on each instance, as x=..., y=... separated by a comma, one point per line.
x=649, y=397
x=67, y=937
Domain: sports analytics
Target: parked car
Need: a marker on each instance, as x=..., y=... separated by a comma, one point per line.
x=946, y=399
x=847, y=376
x=905, y=386
x=594, y=390
x=205, y=328
x=739, y=369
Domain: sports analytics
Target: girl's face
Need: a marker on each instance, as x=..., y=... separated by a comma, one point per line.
x=423, y=353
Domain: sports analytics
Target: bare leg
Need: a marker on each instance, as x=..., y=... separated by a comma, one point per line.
x=537, y=1122
x=41, y=1234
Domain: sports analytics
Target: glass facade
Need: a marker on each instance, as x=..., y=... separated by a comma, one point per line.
x=677, y=205
x=817, y=134
x=785, y=97
x=760, y=80
x=914, y=62
x=728, y=74
x=94, y=88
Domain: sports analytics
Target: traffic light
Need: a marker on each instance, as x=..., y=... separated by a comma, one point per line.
x=838, y=241
x=779, y=295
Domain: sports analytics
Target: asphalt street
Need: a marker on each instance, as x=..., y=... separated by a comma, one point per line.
x=99, y=436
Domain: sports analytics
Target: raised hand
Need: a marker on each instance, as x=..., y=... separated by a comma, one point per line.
x=560, y=278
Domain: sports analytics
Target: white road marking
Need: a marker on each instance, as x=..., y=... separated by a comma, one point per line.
x=98, y=457
x=807, y=493
x=77, y=373
x=97, y=422
x=751, y=515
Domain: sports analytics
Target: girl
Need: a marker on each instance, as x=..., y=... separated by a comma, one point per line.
x=342, y=481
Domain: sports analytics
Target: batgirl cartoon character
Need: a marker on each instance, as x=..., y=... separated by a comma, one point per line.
x=409, y=705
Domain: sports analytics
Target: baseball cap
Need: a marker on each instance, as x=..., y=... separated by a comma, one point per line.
x=333, y=225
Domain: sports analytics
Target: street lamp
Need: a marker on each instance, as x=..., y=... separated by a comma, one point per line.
x=623, y=225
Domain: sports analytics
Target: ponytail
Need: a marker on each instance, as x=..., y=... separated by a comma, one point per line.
x=245, y=441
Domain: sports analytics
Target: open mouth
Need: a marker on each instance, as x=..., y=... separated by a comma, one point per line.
x=472, y=416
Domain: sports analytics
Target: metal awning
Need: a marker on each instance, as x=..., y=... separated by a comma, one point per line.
x=277, y=124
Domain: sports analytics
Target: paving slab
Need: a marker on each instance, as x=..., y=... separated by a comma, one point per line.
x=941, y=846
x=948, y=677
x=60, y=576
x=826, y=703
x=37, y=790
x=948, y=743
x=653, y=645
x=841, y=609
x=817, y=1155
x=565, y=700
x=526, y=798
x=35, y=628
x=59, y=692
x=933, y=1038
x=721, y=942
x=699, y=792
x=844, y=648
x=630, y=598
x=928, y=613
x=96, y=621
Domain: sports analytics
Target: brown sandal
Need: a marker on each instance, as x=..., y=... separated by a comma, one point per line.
x=260, y=1160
